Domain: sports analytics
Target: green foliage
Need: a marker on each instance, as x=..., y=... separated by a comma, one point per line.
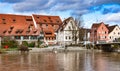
x=25, y=43
x=32, y=44
x=7, y=41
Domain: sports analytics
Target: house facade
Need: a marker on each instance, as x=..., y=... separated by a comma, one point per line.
x=68, y=32
x=49, y=26
x=99, y=33
x=114, y=33
x=30, y=28
x=18, y=27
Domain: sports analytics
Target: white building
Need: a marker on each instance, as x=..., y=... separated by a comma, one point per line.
x=114, y=33
x=68, y=32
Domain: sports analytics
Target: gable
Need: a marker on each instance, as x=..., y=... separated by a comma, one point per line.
x=71, y=25
x=103, y=27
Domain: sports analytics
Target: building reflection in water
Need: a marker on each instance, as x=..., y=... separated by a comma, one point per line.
x=71, y=61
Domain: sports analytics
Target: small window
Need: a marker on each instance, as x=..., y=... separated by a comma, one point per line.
x=110, y=37
x=49, y=17
x=102, y=28
x=52, y=25
x=17, y=37
x=29, y=20
x=38, y=17
x=3, y=19
x=45, y=20
x=46, y=24
x=14, y=20
x=69, y=37
x=57, y=21
x=26, y=37
x=66, y=37
x=4, y=22
x=51, y=21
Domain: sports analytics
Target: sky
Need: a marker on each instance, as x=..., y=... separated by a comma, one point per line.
x=91, y=11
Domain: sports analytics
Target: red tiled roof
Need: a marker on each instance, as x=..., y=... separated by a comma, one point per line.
x=111, y=28
x=44, y=19
x=96, y=25
x=16, y=25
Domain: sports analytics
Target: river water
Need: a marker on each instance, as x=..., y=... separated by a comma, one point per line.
x=70, y=61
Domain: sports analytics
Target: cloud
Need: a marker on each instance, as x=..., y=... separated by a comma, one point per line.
x=112, y=18
x=11, y=1
x=76, y=6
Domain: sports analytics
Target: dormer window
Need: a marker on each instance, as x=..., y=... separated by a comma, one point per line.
x=14, y=20
x=11, y=27
x=45, y=20
x=3, y=19
x=4, y=31
x=57, y=21
x=38, y=17
x=51, y=21
x=49, y=17
x=29, y=20
x=4, y=22
x=9, y=31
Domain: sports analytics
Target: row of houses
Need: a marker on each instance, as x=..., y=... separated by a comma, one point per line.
x=103, y=33
x=52, y=30
x=49, y=29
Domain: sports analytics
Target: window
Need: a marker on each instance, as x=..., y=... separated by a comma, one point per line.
x=17, y=37
x=51, y=21
x=45, y=20
x=57, y=21
x=33, y=37
x=3, y=19
x=49, y=17
x=105, y=32
x=48, y=33
x=69, y=28
x=14, y=20
x=110, y=37
x=26, y=37
x=29, y=20
x=102, y=28
x=69, y=37
x=105, y=37
x=38, y=17
x=114, y=32
x=66, y=37
x=46, y=25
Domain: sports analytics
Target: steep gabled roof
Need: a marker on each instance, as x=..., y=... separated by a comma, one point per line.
x=40, y=19
x=111, y=28
x=17, y=25
x=65, y=22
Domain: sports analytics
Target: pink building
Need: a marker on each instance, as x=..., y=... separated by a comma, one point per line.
x=99, y=33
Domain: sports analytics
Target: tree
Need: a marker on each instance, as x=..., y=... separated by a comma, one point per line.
x=81, y=31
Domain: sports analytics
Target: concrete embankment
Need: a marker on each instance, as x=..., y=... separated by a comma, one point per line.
x=50, y=49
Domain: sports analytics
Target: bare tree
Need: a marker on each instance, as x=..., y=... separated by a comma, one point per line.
x=81, y=30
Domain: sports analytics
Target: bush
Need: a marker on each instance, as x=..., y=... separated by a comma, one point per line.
x=25, y=43
x=9, y=42
x=32, y=44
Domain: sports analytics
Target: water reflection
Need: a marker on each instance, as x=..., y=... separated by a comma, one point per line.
x=71, y=61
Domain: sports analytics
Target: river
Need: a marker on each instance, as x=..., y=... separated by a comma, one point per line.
x=66, y=61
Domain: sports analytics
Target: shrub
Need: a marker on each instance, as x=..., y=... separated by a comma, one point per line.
x=6, y=41
x=32, y=44
x=25, y=43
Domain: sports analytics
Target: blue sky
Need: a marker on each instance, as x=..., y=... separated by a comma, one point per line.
x=107, y=11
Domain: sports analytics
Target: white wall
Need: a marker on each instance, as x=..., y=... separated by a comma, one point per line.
x=114, y=34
